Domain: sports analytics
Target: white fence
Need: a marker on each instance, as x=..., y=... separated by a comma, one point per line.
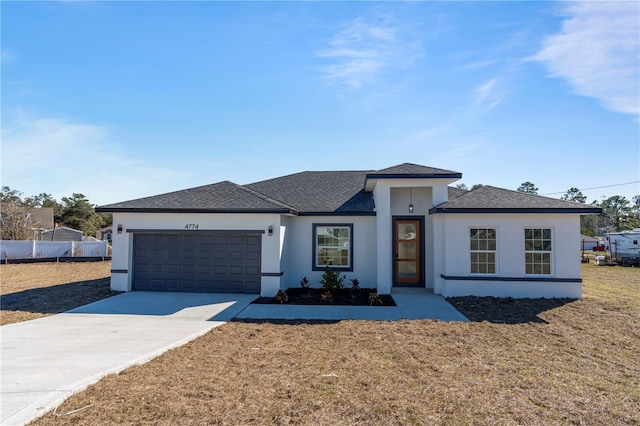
x=42, y=249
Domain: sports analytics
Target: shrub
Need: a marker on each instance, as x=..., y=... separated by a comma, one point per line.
x=331, y=280
x=327, y=297
x=282, y=296
x=374, y=299
x=355, y=284
x=304, y=282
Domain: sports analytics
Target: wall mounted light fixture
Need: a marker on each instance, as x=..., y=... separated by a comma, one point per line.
x=119, y=229
x=270, y=230
x=410, y=200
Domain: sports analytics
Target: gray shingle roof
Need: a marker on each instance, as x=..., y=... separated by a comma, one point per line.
x=338, y=192
x=489, y=199
x=320, y=192
x=219, y=197
x=41, y=217
x=410, y=170
x=455, y=192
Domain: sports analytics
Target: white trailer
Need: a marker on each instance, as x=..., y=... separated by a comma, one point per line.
x=624, y=245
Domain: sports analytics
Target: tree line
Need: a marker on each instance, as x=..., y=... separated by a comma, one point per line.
x=73, y=212
x=618, y=212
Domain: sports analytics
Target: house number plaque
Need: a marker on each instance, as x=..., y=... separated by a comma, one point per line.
x=191, y=226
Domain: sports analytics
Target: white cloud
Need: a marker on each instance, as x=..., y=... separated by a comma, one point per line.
x=488, y=95
x=598, y=52
x=362, y=50
x=61, y=157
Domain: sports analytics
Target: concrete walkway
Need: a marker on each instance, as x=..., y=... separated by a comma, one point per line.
x=411, y=304
x=46, y=360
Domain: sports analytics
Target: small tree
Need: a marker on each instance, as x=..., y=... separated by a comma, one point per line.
x=465, y=187
x=635, y=206
x=617, y=211
x=79, y=213
x=574, y=194
x=528, y=188
x=16, y=222
x=331, y=279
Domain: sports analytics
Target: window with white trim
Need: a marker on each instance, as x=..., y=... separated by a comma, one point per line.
x=332, y=246
x=537, y=251
x=483, y=250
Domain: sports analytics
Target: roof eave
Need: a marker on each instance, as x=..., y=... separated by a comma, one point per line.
x=338, y=213
x=192, y=210
x=414, y=176
x=442, y=210
x=371, y=178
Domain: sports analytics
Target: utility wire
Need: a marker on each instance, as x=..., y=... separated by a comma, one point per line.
x=595, y=187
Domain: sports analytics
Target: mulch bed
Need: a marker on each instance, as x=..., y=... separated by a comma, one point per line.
x=505, y=310
x=313, y=296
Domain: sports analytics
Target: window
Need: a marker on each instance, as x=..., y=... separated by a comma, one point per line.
x=333, y=246
x=483, y=250
x=537, y=247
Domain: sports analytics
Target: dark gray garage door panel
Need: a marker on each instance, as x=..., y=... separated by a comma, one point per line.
x=203, y=262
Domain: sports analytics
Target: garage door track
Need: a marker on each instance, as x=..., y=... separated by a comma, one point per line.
x=47, y=359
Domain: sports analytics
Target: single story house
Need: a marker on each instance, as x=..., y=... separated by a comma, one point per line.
x=14, y=218
x=588, y=243
x=104, y=233
x=400, y=226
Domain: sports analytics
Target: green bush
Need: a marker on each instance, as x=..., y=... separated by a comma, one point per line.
x=331, y=280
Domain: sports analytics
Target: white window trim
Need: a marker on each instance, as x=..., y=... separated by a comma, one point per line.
x=495, y=228
x=314, y=237
x=552, y=261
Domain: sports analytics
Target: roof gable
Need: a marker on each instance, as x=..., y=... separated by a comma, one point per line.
x=412, y=171
x=490, y=199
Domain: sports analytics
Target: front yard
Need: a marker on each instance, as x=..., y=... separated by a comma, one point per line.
x=33, y=290
x=571, y=362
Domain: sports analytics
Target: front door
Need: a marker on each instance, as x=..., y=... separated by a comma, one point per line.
x=407, y=247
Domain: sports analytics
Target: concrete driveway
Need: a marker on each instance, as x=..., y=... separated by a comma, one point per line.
x=46, y=360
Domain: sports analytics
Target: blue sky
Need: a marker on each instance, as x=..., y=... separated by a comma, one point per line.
x=120, y=100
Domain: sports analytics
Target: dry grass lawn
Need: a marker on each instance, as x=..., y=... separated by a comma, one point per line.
x=33, y=290
x=578, y=363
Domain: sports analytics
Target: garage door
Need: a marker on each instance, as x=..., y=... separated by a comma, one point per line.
x=197, y=262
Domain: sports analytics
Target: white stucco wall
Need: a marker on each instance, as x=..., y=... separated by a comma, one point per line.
x=298, y=249
x=510, y=255
x=383, y=253
x=288, y=250
x=122, y=270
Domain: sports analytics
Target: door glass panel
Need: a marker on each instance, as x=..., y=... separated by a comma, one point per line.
x=406, y=231
x=407, y=250
x=406, y=269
